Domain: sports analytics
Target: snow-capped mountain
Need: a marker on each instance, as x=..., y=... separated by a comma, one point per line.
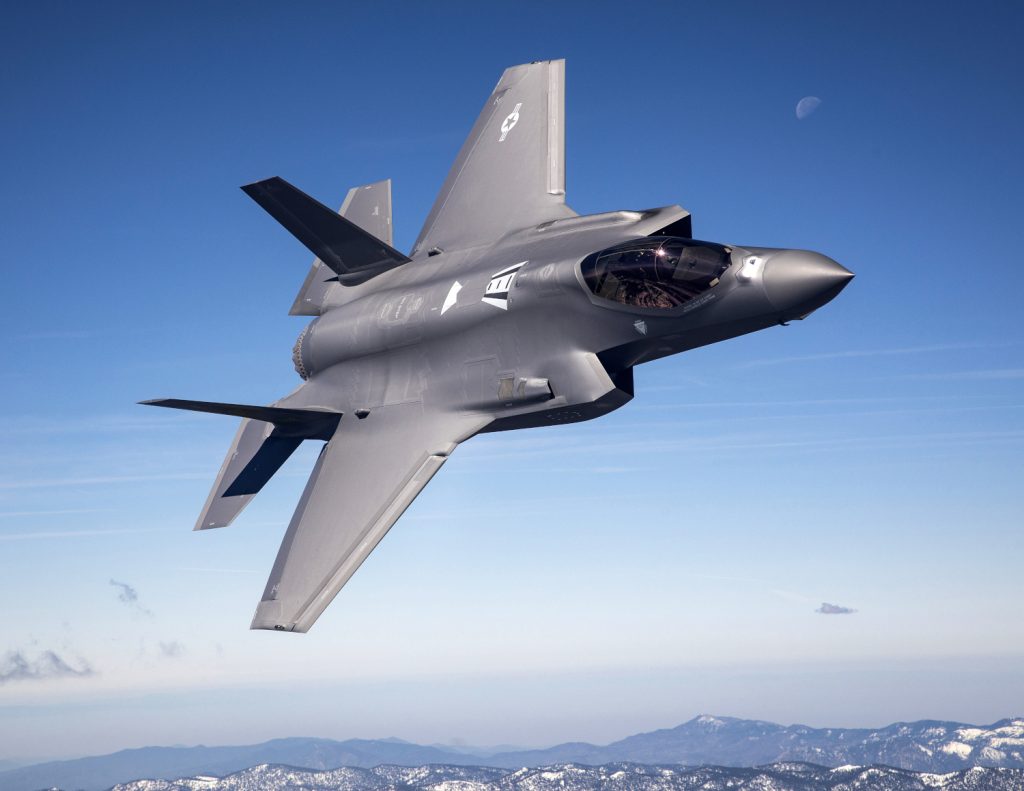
x=925, y=746
x=612, y=777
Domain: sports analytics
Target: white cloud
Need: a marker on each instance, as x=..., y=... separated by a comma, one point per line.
x=834, y=609
x=128, y=596
x=171, y=649
x=17, y=666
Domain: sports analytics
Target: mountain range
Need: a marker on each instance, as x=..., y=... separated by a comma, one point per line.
x=613, y=777
x=924, y=746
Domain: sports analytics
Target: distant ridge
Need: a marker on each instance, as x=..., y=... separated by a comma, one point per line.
x=98, y=773
x=924, y=746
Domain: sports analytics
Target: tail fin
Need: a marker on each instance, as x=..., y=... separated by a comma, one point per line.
x=264, y=441
x=351, y=253
x=369, y=207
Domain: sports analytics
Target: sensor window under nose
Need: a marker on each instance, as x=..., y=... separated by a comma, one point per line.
x=655, y=272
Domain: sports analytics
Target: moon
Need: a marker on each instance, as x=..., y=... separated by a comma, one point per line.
x=806, y=106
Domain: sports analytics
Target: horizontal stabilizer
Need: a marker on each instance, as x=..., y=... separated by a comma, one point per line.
x=353, y=254
x=268, y=459
x=253, y=458
x=302, y=423
x=266, y=439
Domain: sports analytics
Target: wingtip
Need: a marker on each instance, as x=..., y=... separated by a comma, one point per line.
x=210, y=526
x=268, y=627
x=268, y=617
x=261, y=185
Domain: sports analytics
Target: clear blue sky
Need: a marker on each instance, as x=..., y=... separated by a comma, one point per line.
x=582, y=582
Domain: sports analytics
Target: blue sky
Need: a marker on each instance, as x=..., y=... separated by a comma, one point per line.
x=632, y=572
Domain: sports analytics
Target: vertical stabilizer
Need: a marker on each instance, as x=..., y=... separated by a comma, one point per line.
x=510, y=172
x=369, y=207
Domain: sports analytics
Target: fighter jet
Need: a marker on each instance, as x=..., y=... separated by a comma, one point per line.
x=510, y=311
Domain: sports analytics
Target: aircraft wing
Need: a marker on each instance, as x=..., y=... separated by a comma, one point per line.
x=510, y=172
x=366, y=476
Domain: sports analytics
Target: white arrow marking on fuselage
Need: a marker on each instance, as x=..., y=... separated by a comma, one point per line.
x=453, y=295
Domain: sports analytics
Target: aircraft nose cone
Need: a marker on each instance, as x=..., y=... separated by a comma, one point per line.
x=799, y=281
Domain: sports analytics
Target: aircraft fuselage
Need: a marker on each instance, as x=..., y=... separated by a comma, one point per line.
x=512, y=331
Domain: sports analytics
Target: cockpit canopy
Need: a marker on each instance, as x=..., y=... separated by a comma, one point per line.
x=655, y=272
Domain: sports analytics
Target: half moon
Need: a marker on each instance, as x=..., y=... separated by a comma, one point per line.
x=806, y=106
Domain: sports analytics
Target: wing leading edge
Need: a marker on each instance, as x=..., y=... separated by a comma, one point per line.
x=365, y=478
x=510, y=172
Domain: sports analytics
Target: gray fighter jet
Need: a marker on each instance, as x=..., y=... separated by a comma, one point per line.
x=511, y=311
